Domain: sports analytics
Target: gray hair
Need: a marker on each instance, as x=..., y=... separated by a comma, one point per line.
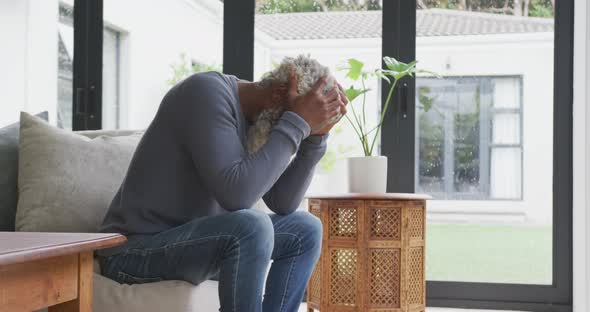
x=308, y=72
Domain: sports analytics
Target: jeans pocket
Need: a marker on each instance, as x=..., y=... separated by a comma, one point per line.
x=125, y=278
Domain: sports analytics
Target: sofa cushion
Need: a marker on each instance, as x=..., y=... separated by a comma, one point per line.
x=9, y=168
x=66, y=180
x=154, y=297
x=177, y=296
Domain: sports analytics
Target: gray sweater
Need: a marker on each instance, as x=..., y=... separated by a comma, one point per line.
x=192, y=161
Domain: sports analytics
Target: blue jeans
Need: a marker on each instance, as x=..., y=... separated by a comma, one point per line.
x=237, y=248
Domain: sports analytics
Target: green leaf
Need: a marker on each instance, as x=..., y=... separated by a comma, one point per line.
x=397, y=75
x=390, y=62
x=352, y=93
x=397, y=69
x=354, y=68
x=380, y=75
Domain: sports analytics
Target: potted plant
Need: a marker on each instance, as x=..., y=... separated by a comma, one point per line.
x=368, y=174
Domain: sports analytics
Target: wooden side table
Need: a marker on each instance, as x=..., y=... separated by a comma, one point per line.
x=54, y=270
x=372, y=253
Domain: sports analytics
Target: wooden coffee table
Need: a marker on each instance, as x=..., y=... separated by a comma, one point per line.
x=54, y=270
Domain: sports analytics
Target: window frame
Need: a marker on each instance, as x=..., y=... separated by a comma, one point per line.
x=238, y=38
x=87, y=84
x=520, y=111
x=87, y=70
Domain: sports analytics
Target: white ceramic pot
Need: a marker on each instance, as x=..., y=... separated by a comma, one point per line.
x=367, y=174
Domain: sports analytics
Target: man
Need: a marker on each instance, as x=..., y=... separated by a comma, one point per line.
x=185, y=203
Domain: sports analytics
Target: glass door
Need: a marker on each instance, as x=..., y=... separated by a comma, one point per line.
x=488, y=140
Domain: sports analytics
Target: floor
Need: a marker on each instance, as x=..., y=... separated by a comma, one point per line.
x=303, y=306
x=457, y=310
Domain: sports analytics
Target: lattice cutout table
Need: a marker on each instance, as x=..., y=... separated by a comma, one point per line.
x=372, y=253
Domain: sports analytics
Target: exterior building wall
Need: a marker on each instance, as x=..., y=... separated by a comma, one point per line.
x=529, y=56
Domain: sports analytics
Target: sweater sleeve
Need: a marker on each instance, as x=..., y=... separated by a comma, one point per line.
x=209, y=129
x=287, y=193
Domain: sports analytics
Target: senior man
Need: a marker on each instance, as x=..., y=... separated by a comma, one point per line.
x=216, y=146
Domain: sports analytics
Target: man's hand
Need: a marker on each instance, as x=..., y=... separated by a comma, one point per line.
x=341, y=96
x=314, y=107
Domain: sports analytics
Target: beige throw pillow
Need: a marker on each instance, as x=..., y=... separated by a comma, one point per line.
x=66, y=180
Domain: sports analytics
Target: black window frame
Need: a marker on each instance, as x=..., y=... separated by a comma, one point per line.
x=399, y=41
x=87, y=83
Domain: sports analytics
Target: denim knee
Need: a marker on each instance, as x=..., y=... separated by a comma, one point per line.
x=254, y=230
x=310, y=228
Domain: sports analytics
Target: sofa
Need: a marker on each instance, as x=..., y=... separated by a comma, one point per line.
x=56, y=180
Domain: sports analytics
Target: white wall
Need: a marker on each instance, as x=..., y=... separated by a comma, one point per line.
x=581, y=219
x=493, y=55
x=153, y=40
x=28, y=58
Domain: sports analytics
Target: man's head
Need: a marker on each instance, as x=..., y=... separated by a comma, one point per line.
x=307, y=70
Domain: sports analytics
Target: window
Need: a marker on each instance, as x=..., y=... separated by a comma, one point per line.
x=499, y=228
x=65, y=72
x=469, y=143
x=484, y=150
x=111, y=79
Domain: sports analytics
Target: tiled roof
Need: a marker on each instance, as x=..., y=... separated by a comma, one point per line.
x=367, y=24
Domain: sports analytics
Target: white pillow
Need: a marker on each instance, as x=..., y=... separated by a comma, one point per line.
x=110, y=296
x=66, y=181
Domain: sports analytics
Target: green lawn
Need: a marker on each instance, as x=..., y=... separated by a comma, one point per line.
x=480, y=253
